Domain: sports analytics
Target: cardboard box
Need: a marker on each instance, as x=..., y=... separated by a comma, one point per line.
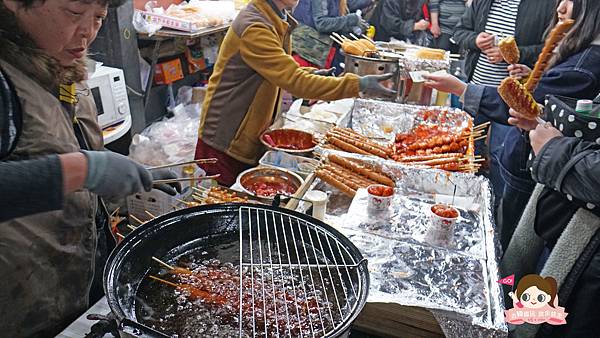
x=168, y=72
x=155, y=202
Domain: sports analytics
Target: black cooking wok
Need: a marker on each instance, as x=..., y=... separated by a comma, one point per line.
x=212, y=228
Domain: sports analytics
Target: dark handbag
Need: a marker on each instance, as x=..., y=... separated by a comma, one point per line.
x=311, y=45
x=560, y=111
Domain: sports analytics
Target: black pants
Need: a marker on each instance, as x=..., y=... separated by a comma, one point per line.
x=443, y=42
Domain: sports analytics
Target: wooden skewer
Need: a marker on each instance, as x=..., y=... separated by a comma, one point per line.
x=353, y=36
x=131, y=227
x=368, y=38
x=163, y=263
x=119, y=235
x=181, y=201
x=184, y=179
x=341, y=37
x=200, y=189
x=478, y=160
x=199, y=161
x=480, y=138
x=136, y=219
x=336, y=39
x=112, y=214
x=163, y=281
x=149, y=214
x=481, y=126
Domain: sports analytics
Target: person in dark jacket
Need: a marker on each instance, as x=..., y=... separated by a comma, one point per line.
x=574, y=72
x=470, y=34
x=398, y=19
x=559, y=232
x=477, y=33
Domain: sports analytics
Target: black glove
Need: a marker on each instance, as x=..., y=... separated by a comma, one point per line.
x=371, y=84
x=112, y=175
x=324, y=72
x=165, y=174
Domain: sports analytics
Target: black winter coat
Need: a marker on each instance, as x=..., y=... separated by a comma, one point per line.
x=532, y=19
x=396, y=18
x=573, y=166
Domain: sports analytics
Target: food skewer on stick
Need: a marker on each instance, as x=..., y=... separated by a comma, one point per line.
x=131, y=227
x=482, y=126
x=554, y=38
x=199, y=161
x=519, y=98
x=163, y=263
x=184, y=179
x=194, y=292
x=509, y=50
x=149, y=214
x=368, y=38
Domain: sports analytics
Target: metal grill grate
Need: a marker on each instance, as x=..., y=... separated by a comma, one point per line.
x=297, y=277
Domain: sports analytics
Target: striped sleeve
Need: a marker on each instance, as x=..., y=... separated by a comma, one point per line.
x=501, y=22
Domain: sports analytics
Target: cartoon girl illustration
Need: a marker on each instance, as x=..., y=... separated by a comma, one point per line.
x=536, y=302
x=535, y=292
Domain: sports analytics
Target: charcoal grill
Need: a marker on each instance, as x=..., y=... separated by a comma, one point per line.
x=319, y=268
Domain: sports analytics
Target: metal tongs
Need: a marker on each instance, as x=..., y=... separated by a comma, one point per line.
x=184, y=179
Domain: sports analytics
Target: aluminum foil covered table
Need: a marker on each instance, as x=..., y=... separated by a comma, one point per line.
x=455, y=279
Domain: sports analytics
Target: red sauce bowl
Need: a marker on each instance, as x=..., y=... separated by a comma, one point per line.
x=266, y=182
x=288, y=140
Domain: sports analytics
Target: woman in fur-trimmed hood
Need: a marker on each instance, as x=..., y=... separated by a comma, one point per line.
x=52, y=165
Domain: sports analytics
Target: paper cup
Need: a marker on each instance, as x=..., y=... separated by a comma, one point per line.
x=375, y=200
x=319, y=201
x=442, y=227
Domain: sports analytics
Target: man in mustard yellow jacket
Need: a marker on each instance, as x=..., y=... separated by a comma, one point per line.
x=244, y=92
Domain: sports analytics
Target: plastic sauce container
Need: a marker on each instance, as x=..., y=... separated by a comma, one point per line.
x=319, y=203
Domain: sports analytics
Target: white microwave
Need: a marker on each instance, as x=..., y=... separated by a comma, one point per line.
x=109, y=91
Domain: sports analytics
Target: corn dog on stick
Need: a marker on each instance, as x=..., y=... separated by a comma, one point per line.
x=555, y=36
x=518, y=98
x=509, y=50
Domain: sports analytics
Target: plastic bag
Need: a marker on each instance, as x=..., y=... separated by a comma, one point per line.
x=421, y=38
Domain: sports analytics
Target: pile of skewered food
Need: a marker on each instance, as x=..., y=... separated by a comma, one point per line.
x=357, y=46
x=216, y=195
x=266, y=301
x=438, y=147
x=349, y=175
x=348, y=140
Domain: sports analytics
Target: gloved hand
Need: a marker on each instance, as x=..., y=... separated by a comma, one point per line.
x=324, y=72
x=371, y=84
x=112, y=175
x=165, y=174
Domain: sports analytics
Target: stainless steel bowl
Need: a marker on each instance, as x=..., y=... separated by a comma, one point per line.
x=268, y=175
x=304, y=141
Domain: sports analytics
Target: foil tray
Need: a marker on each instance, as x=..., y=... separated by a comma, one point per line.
x=383, y=120
x=456, y=280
